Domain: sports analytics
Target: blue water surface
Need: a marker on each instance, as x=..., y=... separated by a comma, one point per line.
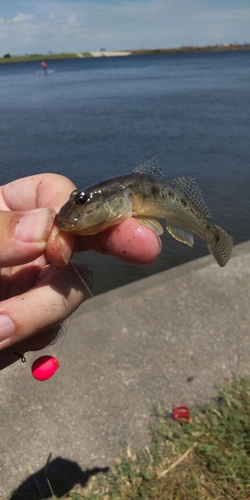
x=99, y=117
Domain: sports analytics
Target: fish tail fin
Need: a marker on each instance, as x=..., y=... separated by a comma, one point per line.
x=222, y=247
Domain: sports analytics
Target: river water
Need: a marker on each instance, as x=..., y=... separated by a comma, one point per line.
x=99, y=117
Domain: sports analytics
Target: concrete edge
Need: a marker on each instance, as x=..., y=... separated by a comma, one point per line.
x=156, y=279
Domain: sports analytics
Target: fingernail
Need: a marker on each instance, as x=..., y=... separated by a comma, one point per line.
x=36, y=226
x=6, y=327
x=65, y=249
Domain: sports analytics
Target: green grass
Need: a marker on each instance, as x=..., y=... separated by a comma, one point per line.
x=208, y=458
x=205, y=459
x=41, y=57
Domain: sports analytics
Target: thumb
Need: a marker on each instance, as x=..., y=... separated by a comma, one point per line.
x=24, y=235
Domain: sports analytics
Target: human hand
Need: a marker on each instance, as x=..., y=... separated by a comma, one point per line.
x=38, y=289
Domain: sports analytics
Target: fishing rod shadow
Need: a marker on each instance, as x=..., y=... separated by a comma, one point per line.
x=55, y=480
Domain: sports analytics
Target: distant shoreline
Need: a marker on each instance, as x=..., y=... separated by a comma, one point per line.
x=76, y=55
x=192, y=48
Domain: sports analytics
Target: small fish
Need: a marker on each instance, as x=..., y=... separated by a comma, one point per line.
x=143, y=194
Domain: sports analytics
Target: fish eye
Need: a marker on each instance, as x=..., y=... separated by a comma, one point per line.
x=81, y=198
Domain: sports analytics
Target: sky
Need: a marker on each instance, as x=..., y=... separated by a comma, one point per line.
x=41, y=26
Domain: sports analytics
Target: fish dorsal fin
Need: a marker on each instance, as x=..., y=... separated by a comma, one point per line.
x=180, y=234
x=188, y=186
x=149, y=167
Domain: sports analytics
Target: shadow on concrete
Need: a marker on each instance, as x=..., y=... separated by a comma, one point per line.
x=57, y=478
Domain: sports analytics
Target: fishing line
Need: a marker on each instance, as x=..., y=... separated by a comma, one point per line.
x=45, y=366
x=65, y=324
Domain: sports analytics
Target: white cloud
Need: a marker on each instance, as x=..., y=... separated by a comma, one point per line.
x=72, y=20
x=20, y=18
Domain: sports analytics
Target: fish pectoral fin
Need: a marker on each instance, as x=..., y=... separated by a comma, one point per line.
x=181, y=234
x=151, y=223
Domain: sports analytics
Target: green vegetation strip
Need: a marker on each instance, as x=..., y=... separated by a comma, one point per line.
x=208, y=458
x=42, y=57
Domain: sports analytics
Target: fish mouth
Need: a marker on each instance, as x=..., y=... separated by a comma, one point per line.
x=63, y=223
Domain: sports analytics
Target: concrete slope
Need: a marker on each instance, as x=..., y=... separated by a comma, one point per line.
x=171, y=337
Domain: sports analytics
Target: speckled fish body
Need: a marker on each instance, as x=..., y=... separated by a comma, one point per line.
x=143, y=194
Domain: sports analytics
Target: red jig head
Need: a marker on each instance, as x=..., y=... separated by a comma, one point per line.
x=44, y=367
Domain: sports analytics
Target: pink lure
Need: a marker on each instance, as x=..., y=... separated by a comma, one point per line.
x=44, y=367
